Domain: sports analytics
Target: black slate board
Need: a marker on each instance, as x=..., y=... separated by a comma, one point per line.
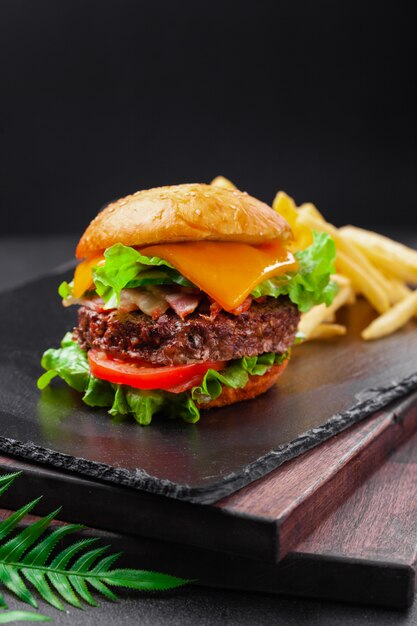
x=327, y=387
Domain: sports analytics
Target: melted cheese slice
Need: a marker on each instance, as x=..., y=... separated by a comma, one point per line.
x=226, y=271
x=83, y=275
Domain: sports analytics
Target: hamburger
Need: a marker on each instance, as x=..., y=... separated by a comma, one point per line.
x=189, y=298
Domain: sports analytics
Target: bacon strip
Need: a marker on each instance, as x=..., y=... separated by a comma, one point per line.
x=95, y=302
x=155, y=300
x=183, y=303
x=242, y=307
x=215, y=308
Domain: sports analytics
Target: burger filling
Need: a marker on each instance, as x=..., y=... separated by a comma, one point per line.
x=151, y=340
x=268, y=326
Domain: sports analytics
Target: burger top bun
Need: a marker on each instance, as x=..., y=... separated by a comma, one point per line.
x=189, y=212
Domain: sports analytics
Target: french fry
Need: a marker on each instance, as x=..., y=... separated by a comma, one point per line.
x=330, y=318
x=221, y=181
x=310, y=209
x=367, y=263
x=387, y=254
x=285, y=206
x=328, y=331
x=393, y=319
x=317, y=315
x=352, y=262
x=363, y=283
x=313, y=318
x=342, y=281
x=398, y=290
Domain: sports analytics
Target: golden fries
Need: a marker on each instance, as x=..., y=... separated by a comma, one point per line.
x=362, y=282
x=285, y=206
x=365, y=278
x=221, y=181
x=308, y=208
x=398, y=289
x=393, y=319
x=317, y=315
x=328, y=331
x=367, y=263
x=389, y=255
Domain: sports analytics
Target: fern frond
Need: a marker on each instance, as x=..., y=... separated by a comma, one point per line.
x=12, y=521
x=22, y=616
x=142, y=580
x=73, y=573
x=13, y=549
x=6, y=480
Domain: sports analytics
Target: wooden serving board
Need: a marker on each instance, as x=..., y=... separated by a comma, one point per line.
x=264, y=520
x=364, y=552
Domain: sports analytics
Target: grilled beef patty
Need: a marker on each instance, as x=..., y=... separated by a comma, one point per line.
x=269, y=326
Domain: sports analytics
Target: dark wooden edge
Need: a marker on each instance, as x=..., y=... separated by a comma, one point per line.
x=332, y=493
x=376, y=583
x=99, y=504
x=366, y=582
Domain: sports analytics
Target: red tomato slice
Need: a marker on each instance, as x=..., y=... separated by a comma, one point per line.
x=174, y=378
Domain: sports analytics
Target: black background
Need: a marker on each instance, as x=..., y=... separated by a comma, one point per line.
x=100, y=98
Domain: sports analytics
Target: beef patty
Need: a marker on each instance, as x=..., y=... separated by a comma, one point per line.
x=269, y=326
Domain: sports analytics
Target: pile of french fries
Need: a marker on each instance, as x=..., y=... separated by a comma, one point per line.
x=367, y=264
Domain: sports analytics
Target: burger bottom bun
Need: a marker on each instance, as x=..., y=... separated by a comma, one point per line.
x=255, y=387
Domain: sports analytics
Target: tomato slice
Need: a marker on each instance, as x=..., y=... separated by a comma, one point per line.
x=175, y=378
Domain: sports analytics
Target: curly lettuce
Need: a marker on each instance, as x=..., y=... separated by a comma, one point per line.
x=126, y=268
x=310, y=284
x=70, y=363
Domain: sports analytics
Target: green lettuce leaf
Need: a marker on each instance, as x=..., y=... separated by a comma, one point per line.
x=310, y=284
x=98, y=392
x=125, y=267
x=142, y=404
x=65, y=289
x=235, y=375
x=70, y=363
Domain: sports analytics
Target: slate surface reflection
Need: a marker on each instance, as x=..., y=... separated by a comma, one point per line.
x=325, y=389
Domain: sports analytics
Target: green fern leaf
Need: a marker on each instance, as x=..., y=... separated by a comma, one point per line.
x=80, y=586
x=39, y=581
x=12, y=551
x=63, y=587
x=12, y=521
x=85, y=561
x=71, y=574
x=104, y=565
x=143, y=580
x=23, y=616
x=10, y=578
x=6, y=481
x=61, y=561
x=101, y=587
x=39, y=554
x=4, y=478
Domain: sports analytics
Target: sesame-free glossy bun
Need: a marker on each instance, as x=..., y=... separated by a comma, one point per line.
x=189, y=212
x=254, y=387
